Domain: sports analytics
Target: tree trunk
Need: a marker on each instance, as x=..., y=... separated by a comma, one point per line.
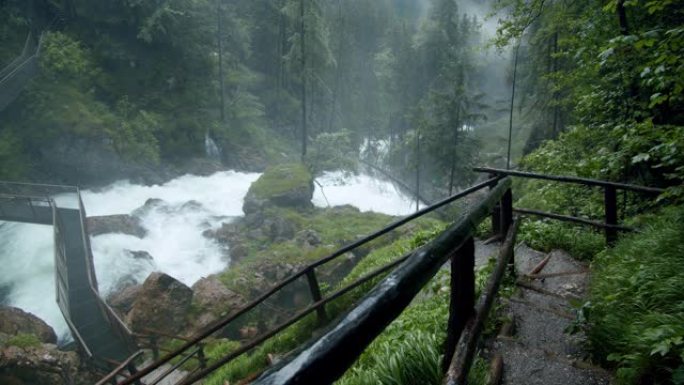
x=622, y=17
x=302, y=47
x=510, y=121
x=219, y=38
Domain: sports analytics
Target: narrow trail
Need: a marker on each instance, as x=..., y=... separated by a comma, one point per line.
x=538, y=350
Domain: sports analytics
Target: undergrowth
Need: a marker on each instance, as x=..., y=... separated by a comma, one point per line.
x=636, y=309
x=300, y=332
x=547, y=235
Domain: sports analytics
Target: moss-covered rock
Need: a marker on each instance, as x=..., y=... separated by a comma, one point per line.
x=285, y=185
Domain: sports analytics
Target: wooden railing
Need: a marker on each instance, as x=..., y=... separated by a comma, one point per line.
x=318, y=300
x=610, y=226
x=326, y=359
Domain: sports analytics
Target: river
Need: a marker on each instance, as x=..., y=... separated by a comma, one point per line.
x=192, y=204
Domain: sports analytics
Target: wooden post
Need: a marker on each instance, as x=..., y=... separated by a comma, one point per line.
x=507, y=221
x=200, y=357
x=462, y=300
x=132, y=370
x=610, y=195
x=316, y=294
x=506, y=213
x=155, y=347
x=496, y=217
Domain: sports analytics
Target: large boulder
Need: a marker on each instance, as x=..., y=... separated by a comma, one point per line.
x=42, y=364
x=14, y=321
x=214, y=300
x=121, y=224
x=162, y=304
x=285, y=185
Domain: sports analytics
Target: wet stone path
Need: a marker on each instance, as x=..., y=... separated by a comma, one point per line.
x=537, y=349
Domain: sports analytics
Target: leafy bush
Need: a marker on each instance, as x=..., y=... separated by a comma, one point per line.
x=64, y=57
x=636, y=313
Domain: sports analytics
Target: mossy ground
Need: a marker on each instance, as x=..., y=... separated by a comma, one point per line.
x=23, y=340
x=336, y=227
x=281, y=179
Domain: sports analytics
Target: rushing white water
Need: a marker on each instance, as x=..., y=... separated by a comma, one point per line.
x=363, y=191
x=191, y=205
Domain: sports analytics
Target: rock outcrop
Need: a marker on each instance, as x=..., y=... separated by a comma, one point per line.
x=287, y=185
x=121, y=224
x=29, y=356
x=14, y=321
x=162, y=304
x=214, y=300
x=43, y=365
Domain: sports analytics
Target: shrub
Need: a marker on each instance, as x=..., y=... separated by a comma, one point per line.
x=636, y=309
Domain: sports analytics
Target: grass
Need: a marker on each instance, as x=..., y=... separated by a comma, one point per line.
x=636, y=310
x=547, y=235
x=409, y=350
x=336, y=227
x=23, y=340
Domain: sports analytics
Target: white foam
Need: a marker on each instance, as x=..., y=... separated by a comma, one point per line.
x=363, y=191
x=174, y=233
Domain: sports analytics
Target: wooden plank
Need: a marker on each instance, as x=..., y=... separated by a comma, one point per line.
x=572, y=179
x=568, y=218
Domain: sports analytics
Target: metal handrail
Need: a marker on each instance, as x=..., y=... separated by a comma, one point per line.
x=303, y=272
x=110, y=315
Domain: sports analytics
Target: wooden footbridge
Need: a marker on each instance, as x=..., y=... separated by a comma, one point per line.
x=98, y=332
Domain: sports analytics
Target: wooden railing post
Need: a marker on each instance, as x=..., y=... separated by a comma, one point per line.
x=610, y=200
x=506, y=213
x=200, y=357
x=507, y=221
x=316, y=294
x=462, y=299
x=155, y=347
x=496, y=217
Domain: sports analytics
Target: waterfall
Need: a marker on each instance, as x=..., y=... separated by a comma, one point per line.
x=211, y=149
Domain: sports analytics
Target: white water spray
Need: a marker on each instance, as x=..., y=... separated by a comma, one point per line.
x=191, y=205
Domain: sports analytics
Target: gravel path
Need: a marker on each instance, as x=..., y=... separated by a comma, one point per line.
x=540, y=351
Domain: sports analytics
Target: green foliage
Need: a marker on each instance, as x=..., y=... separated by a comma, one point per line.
x=63, y=57
x=409, y=350
x=282, y=179
x=548, y=235
x=636, y=309
x=332, y=151
x=12, y=162
x=24, y=340
x=300, y=332
x=134, y=137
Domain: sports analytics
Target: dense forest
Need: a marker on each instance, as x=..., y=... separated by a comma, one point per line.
x=423, y=90
x=150, y=81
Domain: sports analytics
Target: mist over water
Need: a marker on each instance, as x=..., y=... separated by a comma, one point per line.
x=189, y=205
